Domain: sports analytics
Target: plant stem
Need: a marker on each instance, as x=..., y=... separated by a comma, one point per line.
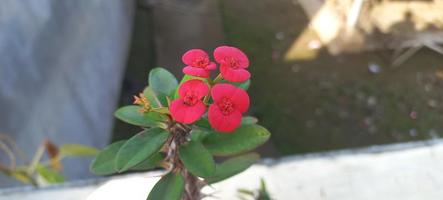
x=193, y=185
x=217, y=79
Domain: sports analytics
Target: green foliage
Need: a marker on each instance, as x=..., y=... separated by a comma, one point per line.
x=131, y=115
x=198, y=134
x=244, y=138
x=260, y=194
x=163, y=83
x=243, y=85
x=139, y=148
x=77, y=150
x=104, y=163
x=21, y=176
x=190, y=149
x=263, y=192
x=197, y=159
x=152, y=97
x=232, y=167
x=170, y=187
x=203, y=123
x=149, y=163
x=249, y=120
x=50, y=176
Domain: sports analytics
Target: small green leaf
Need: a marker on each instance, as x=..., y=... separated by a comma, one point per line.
x=249, y=120
x=162, y=110
x=246, y=192
x=139, y=148
x=244, y=85
x=203, y=123
x=244, y=138
x=149, y=163
x=152, y=97
x=20, y=175
x=104, y=163
x=232, y=167
x=163, y=83
x=131, y=115
x=169, y=187
x=197, y=159
x=263, y=192
x=77, y=150
x=49, y=175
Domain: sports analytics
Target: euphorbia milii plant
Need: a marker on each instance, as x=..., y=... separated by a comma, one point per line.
x=185, y=124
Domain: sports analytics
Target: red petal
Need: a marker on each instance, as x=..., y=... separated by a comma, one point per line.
x=234, y=75
x=220, y=53
x=195, y=71
x=198, y=86
x=223, y=123
x=239, y=97
x=184, y=113
x=211, y=66
x=193, y=54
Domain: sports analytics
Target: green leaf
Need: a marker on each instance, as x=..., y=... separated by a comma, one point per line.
x=149, y=163
x=163, y=83
x=198, y=134
x=244, y=85
x=131, y=115
x=197, y=159
x=162, y=110
x=203, y=123
x=232, y=167
x=20, y=175
x=104, y=163
x=244, y=138
x=169, y=187
x=49, y=175
x=152, y=97
x=263, y=192
x=246, y=192
x=249, y=120
x=139, y=148
x=77, y=150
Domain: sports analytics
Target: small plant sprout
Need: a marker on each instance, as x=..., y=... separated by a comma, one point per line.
x=39, y=171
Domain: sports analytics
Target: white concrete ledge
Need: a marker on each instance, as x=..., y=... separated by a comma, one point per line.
x=408, y=171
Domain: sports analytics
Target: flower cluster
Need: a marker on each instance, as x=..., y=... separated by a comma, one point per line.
x=228, y=101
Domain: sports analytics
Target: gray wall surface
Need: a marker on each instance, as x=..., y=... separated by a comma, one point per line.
x=61, y=65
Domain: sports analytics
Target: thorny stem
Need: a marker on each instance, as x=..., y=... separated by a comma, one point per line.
x=193, y=185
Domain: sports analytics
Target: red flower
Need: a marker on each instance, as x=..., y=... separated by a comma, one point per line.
x=189, y=107
x=198, y=63
x=230, y=103
x=233, y=63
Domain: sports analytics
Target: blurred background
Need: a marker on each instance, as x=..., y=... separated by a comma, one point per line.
x=326, y=74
